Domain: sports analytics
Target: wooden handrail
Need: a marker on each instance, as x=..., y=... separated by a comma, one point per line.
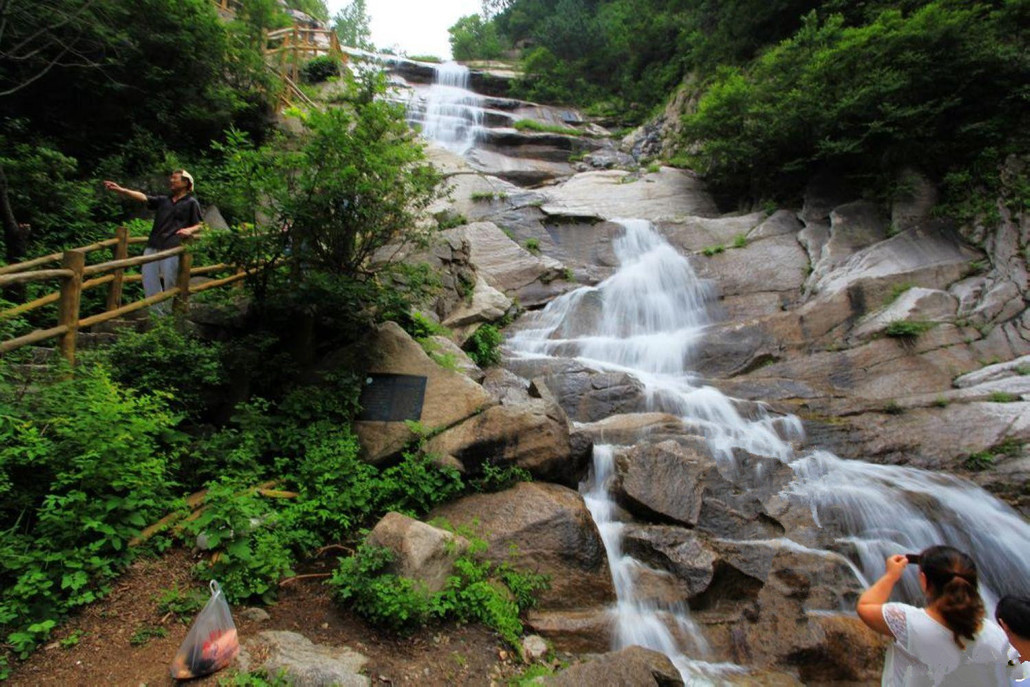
x=73, y=273
x=37, y=275
x=54, y=257
x=32, y=337
x=132, y=262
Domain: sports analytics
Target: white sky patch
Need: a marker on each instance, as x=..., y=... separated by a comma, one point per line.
x=416, y=27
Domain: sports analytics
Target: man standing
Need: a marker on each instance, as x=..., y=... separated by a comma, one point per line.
x=177, y=217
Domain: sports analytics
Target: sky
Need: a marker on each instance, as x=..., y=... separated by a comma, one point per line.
x=417, y=27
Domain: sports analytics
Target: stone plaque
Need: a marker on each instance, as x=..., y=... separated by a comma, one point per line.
x=392, y=398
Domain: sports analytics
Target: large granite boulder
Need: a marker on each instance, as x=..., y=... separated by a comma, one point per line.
x=422, y=552
x=695, y=233
x=302, y=662
x=523, y=171
x=931, y=259
x=914, y=305
x=633, y=666
x=532, y=435
x=450, y=396
x=677, y=481
x=507, y=266
x=587, y=395
x=552, y=533
x=486, y=304
x=666, y=194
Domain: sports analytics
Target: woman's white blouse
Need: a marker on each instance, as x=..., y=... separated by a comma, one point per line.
x=924, y=653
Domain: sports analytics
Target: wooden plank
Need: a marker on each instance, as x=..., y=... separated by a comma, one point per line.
x=68, y=305
x=208, y=269
x=53, y=257
x=31, y=305
x=97, y=281
x=217, y=282
x=32, y=337
x=28, y=264
x=133, y=262
x=35, y=275
x=131, y=307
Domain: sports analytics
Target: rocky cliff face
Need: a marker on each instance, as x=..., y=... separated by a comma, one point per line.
x=895, y=337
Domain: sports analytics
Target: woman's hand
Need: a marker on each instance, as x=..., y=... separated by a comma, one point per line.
x=870, y=604
x=896, y=565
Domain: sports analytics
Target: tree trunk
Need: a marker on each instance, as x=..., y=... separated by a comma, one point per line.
x=16, y=238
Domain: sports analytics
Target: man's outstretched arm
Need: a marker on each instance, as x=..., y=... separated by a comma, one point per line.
x=135, y=195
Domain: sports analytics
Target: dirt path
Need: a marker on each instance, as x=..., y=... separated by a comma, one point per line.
x=438, y=656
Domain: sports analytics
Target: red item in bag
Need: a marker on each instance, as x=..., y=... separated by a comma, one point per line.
x=211, y=644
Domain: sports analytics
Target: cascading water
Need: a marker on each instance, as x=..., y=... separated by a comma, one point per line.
x=451, y=114
x=644, y=320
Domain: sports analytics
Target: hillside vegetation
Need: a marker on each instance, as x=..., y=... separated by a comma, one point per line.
x=790, y=87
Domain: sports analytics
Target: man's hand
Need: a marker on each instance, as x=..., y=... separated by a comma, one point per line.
x=187, y=232
x=115, y=188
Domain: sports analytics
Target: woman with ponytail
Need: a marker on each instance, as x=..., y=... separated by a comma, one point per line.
x=950, y=642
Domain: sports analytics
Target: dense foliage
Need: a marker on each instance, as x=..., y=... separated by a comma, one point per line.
x=86, y=462
x=494, y=594
x=472, y=38
x=84, y=465
x=790, y=87
x=351, y=24
x=159, y=76
x=942, y=87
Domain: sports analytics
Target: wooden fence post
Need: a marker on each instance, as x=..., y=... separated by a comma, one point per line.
x=121, y=251
x=68, y=306
x=182, y=280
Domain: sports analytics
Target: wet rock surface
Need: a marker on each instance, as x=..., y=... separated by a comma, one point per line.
x=806, y=305
x=552, y=533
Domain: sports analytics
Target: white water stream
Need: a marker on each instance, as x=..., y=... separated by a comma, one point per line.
x=645, y=320
x=451, y=114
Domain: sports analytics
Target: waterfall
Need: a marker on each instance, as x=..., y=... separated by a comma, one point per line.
x=451, y=115
x=645, y=320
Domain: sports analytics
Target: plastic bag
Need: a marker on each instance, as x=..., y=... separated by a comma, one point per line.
x=211, y=643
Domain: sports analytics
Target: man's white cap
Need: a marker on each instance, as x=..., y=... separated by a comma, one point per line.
x=187, y=175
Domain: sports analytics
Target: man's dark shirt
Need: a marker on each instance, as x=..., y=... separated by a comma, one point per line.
x=170, y=218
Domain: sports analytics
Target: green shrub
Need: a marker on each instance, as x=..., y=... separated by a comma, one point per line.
x=533, y=245
x=907, y=329
x=259, y=678
x=484, y=346
x=533, y=125
x=978, y=462
x=872, y=96
x=259, y=539
x=893, y=408
x=144, y=633
x=447, y=220
x=84, y=465
x=896, y=291
x=320, y=69
x=493, y=594
x=183, y=604
x=709, y=251
x=164, y=358
x=488, y=196
x=1004, y=397
x=740, y=241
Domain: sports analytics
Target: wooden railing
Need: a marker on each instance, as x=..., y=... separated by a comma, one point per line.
x=289, y=48
x=76, y=276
